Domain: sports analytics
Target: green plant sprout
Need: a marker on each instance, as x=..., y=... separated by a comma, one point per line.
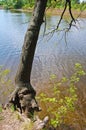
x=5, y=82
x=63, y=99
x=0, y=108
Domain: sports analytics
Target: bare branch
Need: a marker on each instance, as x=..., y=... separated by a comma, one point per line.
x=69, y=3
x=62, y=15
x=45, y=21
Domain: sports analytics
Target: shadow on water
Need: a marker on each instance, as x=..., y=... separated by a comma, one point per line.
x=53, y=55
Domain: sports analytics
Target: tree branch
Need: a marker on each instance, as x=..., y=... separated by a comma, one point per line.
x=62, y=15
x=67, y=3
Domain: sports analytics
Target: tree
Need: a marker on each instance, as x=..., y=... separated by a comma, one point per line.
x=24, y=94
x=18, y=4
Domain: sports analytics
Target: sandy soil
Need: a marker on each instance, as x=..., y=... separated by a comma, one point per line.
x=76, y=13
x=11, y=120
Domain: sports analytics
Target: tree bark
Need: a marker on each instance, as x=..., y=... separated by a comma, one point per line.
x=24, y=94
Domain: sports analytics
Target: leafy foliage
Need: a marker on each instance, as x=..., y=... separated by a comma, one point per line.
x=18, y=4
x=6, y=86
x=3, y=76
x=25, y=4
x=62, y=100
x=0, y=108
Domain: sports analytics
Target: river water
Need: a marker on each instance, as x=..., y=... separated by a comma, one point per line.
x=55, y=53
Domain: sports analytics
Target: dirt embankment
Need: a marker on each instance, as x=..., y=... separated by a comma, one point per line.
x=76, y=13
x=1, y=7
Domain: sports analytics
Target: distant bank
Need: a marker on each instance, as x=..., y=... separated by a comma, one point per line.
x=1, y=7
x=55, y=11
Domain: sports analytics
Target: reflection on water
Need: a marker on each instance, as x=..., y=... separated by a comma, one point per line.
x=54, y=55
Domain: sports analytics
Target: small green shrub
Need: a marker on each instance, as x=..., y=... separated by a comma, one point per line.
x=0, y=108
x=1, y=117
x=61, y=103
x=6, y=85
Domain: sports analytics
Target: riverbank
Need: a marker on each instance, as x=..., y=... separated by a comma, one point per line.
x=13, y=120
x=76, y=12
x=55, y=11
x=1, y=7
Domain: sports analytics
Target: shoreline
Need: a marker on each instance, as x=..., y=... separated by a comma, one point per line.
x=76, y=13
x=54, y=11
x=1, y=7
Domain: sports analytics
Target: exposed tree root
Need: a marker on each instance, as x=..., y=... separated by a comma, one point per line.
x=23, y=99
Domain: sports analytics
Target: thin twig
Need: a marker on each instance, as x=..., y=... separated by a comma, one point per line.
x=62, y=15
x=45, y=21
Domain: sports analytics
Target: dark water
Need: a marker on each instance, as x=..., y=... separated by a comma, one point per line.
x=55, y=54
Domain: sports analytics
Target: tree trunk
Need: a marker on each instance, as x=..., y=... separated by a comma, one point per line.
x=24, y=94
